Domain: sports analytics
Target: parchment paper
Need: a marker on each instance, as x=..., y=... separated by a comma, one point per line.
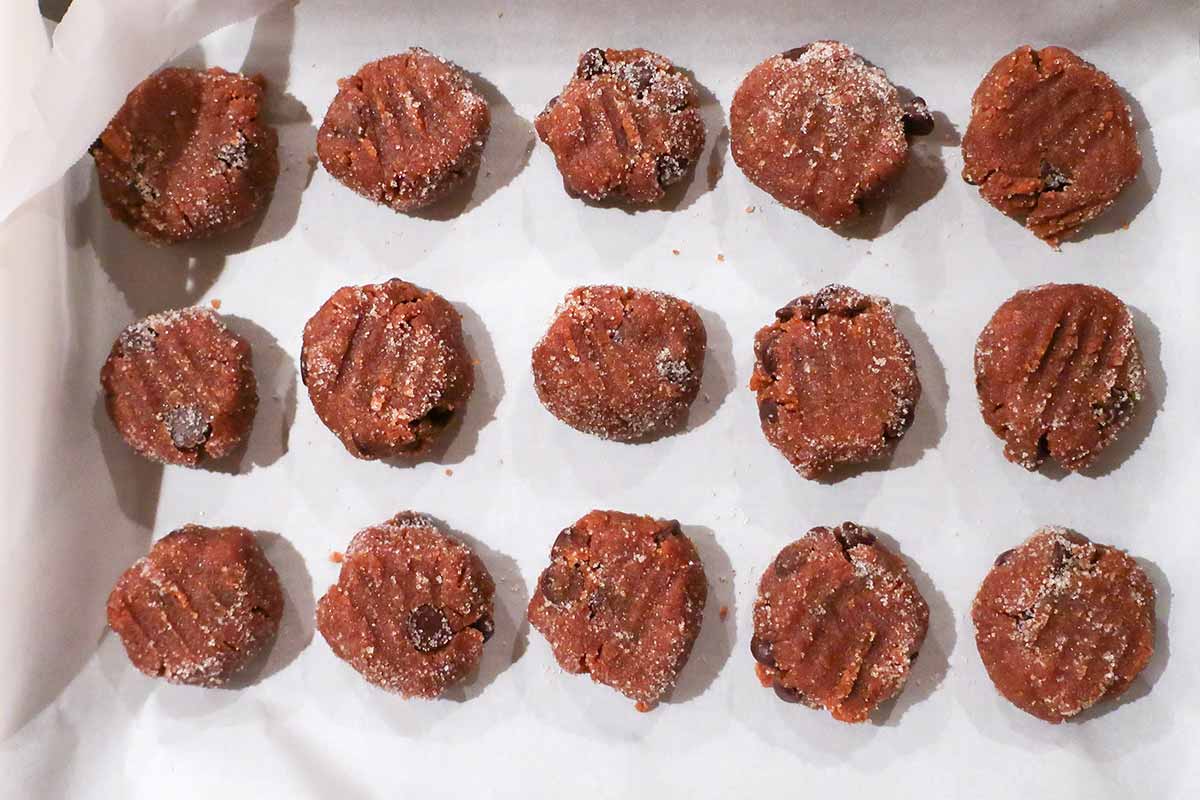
x=78, y=507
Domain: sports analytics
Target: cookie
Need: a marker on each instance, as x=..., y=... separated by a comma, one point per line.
x=626, y=126
x=199, y=607
x=836, y=380
x=179, y=387
x=405, y=130
x=622, y=600
x=1059, y=373
x=822, y=131
x=386, y=367
x=1051, y=141
x=1062, y=623
x=620, y=363
x=187, y=156
x=411, y=609
x=838, y=623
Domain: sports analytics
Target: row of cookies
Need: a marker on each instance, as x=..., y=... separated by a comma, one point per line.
x=1051, y=140
x=1057, y=368
x=1060, y=622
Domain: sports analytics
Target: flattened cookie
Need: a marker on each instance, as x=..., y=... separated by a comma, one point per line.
x=187, y=156
x=822, y=131
x=199, y=607
x=1062, y=623
x=180, y=388
x=836, y=380
x=838, y=622
x=1051, y=141
x=620, y=363
x=626, y=126
x=411, y=608
x=622, y=600
x=386, y=367
x=404, y=130
x=1059, y=373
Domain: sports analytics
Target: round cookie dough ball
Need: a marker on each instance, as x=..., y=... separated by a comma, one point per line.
x=836, y=380
x=1059, y=373
x=199, y=607
x=837, y=623
x=411, y=608
x=626, y=126
x=822, y=131
x=620, y=363
x=1062, y=623
x=622, y=600
x=1051, y=141
x=187, y=156
x=386, y=367
x=404, y=130
x=180, y=388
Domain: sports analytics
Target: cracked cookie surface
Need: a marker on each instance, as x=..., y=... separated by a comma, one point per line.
x=198, y=607
x=622, y=600
x=1062, y=623
x=187, y=156
x=405, y=130
x=1059, y=373
x=626, y=126
x=386, y=367
x=1051, y=141
x=411, y=609
x=835, y=379
x=179, y=387
x=822, y=131
x=837, y=623
x=620, y=363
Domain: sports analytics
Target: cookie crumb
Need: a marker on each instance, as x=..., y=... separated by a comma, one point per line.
x=720, y=258
x=215, y=303
x=449, y=472
x=674, y=252
x=749, y=209
x=335, y=557
x=723, y=613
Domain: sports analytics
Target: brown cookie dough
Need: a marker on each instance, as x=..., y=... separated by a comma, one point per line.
x=187, y=156
x=1051, y=141
x=626, y=126
x=199, y=607
x=404, y=130
x=1059, y=373
x=836, y=380
x=411, y=608
x=1062, y=623
x=620, y=363
x=622, y=600
x=386, y=367
x=179, y=386
x=837, y=623
x=822, y=131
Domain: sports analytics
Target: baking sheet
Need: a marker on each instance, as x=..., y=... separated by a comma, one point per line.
x=78, y=721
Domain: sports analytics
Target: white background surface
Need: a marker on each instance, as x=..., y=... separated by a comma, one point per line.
x=79, y=721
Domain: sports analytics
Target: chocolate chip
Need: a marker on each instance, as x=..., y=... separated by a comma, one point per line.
x=1003, y=557
x=640, y=75
x=1053, y=179
x=790, y=559
x=785, y=313
x=428, y=629
x=485, y=625
x=762, y=650
x=917, y=119
x=850, y=535
x=566, y=538
x=669, y=169
x=786, y=693
x=673, y=371
x=188, y=427
x=795, y=53
x=768, y=411
x=591, y=64
x=235, y=154
x=561, y=584
x=137, y=338
x=670, y=528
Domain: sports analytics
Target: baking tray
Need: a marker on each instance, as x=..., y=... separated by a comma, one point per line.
x=79, y=506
